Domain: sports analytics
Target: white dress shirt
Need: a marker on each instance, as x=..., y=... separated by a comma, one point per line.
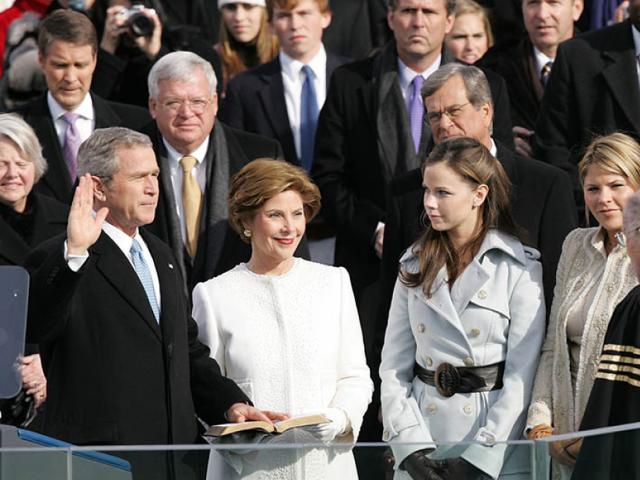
x=199, y=171
x=124, y=242
x=85, y=124
x=406, y=76
x=293, y=78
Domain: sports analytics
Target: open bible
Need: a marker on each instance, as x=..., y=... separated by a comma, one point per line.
x=282, y=426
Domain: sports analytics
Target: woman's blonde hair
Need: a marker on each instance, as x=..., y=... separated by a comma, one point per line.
x=466, y=7
x=232, y=63
x=262, y=179
x=471, y=160
x=616, y=153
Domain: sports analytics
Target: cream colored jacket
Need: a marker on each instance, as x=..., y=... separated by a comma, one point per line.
x=583, y=258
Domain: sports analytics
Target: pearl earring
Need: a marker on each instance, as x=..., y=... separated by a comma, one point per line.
x=247, y=233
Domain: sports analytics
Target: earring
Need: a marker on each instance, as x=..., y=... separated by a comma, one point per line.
x=247, y=233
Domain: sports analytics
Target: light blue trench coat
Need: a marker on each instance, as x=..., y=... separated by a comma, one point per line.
x=494, y=312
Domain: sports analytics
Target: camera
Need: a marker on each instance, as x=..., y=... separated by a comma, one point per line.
x=139, y=24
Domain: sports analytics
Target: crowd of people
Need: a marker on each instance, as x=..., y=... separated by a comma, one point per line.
x=417, y=218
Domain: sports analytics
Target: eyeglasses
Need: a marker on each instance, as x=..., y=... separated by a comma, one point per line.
x=621, y=237
x=197, y=105
x=453, y=112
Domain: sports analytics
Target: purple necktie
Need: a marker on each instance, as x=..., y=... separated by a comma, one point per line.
x=416, y=111
x=71, y=144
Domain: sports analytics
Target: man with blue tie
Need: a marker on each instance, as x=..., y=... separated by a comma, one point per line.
x=107, y=307
x=281, y=99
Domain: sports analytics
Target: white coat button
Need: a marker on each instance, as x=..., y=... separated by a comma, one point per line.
x=467, y=409
x=386, y=436
x=468, y=361
x=482, y=294
x=429, y=361
x=431, y=408
x=421, y=327
x=474, y=332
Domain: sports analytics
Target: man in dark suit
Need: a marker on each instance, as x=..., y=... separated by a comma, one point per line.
x=270, y=99
x=120, y=348
x=67, y=114
x=371, y=128
x=593, y=90
x=192, y=208
x=458, y=103
x=526, y=65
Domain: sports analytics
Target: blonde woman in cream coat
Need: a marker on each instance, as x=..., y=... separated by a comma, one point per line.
x=594, y=274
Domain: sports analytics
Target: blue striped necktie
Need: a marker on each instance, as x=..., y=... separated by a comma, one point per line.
x=141, y=268
x=308, y=118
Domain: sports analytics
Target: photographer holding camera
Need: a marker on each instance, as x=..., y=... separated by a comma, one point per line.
x=137, y=35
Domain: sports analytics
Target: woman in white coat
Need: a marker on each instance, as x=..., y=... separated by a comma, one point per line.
x=284, y=329
x=465, y=326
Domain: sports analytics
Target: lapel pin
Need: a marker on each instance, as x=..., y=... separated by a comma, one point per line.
x=171, y=266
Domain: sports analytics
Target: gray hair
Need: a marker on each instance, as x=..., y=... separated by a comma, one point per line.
x=475, y=83
x=450, y=4
x=474, y=79
x=15, y=129
x=631, y=213
x=180, y=66
x=98, y=154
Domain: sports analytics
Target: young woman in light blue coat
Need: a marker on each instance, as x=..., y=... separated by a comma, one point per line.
x=465, y=327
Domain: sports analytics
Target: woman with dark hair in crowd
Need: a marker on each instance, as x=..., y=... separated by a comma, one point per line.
x=465, y=326
x=471, y=36
x=594, y=274
x=246, y=40
x=26, y=219
x=285, y=329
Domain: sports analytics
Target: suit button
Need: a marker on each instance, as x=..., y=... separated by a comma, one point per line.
x=431, y=408
x=467, y=409
x=386, y=436
x=474, y=332
x=429, y=361
x=482, y=294
x=421, y=328
x=468, y=361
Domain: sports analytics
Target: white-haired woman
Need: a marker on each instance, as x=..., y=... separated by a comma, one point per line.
x=26, y=219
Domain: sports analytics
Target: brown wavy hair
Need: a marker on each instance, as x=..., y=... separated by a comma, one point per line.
x=262, y=179
x=232, y=63
x=472, y=162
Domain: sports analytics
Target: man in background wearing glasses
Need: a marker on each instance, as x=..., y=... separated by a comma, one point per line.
x=197, y=157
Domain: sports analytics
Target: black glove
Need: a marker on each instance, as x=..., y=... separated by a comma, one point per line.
x=421, y=467
x=460, y=469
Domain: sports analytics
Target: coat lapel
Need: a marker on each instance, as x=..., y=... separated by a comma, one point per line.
x=118, y=271
x=104, y=114
x=620, y=74
x=271, y=96
x=167, y=272
x=57, y=177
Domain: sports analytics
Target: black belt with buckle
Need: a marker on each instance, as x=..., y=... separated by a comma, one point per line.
x=450, y=380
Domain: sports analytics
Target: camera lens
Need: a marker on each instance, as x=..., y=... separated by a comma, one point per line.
x=140, y=25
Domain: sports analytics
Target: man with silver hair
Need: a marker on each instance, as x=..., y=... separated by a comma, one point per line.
x=197, y=156
x=615, y=395
x=107, y=307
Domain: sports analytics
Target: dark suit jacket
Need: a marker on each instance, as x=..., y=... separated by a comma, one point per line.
x=219, y=249
x=593, y=90
x=363, y=140
x=517, y=65
x=57, y=182
x=541, y=205
x=255, y=103
x=114, y=375
x=49, y=220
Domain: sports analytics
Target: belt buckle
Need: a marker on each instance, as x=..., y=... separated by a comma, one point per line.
x=446, y=379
